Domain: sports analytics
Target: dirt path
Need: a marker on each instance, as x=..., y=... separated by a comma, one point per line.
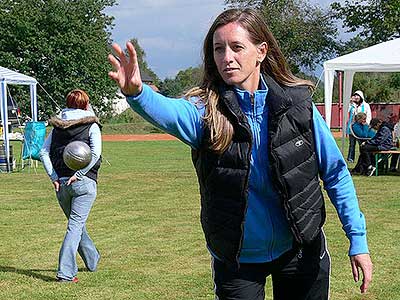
x=152, y=137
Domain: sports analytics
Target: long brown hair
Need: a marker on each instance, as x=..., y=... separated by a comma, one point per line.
x=274, y=65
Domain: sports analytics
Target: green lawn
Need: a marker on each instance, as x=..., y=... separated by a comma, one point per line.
x=145, y=223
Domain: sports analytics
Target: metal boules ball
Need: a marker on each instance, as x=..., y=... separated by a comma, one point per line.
x=77, y=155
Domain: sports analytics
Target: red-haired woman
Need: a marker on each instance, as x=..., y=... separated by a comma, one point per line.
x=75, y=189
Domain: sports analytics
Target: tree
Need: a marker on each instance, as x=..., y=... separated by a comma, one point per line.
x=377, y=87
x=304, y=31
x=182, y=82
x=63, y=44
x=375, y=20
x=143, y=66
x=372, y=22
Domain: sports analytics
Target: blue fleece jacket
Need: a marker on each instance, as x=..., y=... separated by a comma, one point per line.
x=362, y=130
x=266, y=231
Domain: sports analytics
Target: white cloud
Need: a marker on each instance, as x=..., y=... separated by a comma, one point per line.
x=165, y=44
x=171, y=32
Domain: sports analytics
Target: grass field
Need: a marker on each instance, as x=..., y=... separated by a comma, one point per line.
x=145, y=223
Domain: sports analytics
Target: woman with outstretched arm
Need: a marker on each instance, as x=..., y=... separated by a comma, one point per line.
x=260, y=148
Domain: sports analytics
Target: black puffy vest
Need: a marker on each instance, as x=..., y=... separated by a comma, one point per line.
x=223, y=178
x=64, y=132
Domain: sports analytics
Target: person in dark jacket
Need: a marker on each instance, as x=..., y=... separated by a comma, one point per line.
x=75, y=189
x=383, y=140
x=259, y=147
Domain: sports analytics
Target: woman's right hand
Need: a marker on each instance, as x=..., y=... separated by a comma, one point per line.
x=126, y=70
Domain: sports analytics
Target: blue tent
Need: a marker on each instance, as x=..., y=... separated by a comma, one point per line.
x=11, y=77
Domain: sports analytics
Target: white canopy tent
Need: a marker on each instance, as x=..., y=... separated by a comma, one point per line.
x=383, y=57
x=11, y=77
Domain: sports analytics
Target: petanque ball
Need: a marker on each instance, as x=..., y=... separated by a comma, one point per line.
x=77, y=155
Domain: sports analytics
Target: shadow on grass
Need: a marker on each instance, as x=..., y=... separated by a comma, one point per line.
x=30, y=273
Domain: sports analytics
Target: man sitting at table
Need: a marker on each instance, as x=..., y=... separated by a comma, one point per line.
x=381, y=141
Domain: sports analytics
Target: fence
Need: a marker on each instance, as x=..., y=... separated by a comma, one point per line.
x=385, y=111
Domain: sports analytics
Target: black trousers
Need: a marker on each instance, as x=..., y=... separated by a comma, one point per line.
x=299, y=274
x=365, y=159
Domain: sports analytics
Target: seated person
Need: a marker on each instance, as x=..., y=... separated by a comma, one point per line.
x=360, y=129
x=381, y=141
x=396, y=140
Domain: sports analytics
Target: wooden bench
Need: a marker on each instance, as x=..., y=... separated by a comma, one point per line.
x=383, y=156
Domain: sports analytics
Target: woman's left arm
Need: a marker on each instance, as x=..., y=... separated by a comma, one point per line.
x=340, y=188
x=339, y=185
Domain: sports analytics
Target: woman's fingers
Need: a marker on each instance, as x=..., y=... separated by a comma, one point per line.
x=132, y=53
x=119, y=53
x=114, y=62
x=126, y=69
x=114, y=75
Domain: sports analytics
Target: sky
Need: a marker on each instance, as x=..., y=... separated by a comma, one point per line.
x=171, y=32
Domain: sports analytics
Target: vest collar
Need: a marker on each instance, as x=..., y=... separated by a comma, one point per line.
x=231, y=107
x=277, y=99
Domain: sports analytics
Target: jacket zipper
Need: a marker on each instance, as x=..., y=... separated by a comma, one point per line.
x=284, y=196
x=247, y=175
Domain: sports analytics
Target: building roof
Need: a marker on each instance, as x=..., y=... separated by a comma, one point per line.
x=146, y=77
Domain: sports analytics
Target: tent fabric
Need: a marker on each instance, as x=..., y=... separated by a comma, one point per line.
x=383, y=57
x=11, y=77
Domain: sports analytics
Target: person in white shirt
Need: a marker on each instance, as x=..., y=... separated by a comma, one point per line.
x=357, y=105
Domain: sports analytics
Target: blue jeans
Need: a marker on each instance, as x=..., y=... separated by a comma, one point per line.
x=352, y=147
x=76, y=200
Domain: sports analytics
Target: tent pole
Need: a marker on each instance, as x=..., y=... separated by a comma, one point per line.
x=340, y=96
x=34, y=109
x=4, y=118
x=340, y=107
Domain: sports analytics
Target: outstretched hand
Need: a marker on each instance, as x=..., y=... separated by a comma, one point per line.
x=362, y=261
x=126, y=70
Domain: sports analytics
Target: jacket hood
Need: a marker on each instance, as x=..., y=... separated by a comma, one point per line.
x=359, y=93
x=64, y=124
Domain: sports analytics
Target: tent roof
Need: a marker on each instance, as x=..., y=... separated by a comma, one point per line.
x=384, y=57
x=13, y=77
